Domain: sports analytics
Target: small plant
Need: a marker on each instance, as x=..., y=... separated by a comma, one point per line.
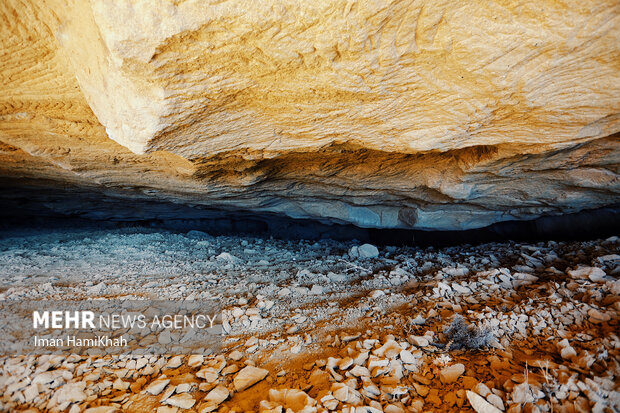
x=460, y=335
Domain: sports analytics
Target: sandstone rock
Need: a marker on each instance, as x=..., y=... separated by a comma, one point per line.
x=248, y=376
x=428, y=129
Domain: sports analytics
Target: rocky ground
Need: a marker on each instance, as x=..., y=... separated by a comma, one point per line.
x=317, y=326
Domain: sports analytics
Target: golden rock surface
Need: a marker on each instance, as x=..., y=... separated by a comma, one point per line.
x=410, y=114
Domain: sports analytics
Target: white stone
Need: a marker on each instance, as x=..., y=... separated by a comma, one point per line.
x=228, y=258
x=316, y=290
x=390, y=349
x=236, y=355
x=479, y=404
x=496, y=401
x=376, y=294
x=195, y=360
x=407, y=357
x=72, y=392
x=364, y=251
x=419, y=341
x=593, y=273
x=248, y=376
x=174, y=362
x=597, y=317
x=340, y=391
x=157, y=386
x=360, y=371
x=217, y=395
x=183, y=401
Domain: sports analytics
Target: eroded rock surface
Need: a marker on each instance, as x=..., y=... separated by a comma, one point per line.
x=389, y=114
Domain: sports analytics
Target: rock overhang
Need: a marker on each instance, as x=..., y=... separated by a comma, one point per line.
x=431, y=116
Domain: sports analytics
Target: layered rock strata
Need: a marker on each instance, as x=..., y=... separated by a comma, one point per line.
x=427, y=115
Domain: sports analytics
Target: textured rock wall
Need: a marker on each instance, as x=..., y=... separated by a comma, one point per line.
x=412, y=114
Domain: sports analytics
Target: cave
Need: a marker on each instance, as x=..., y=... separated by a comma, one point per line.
x=396, y=206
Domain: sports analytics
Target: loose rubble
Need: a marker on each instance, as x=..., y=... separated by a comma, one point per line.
x=331, y=326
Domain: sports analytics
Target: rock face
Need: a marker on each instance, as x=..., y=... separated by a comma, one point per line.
x=442, y=115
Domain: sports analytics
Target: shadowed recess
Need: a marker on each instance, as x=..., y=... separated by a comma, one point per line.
x=30, y=204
